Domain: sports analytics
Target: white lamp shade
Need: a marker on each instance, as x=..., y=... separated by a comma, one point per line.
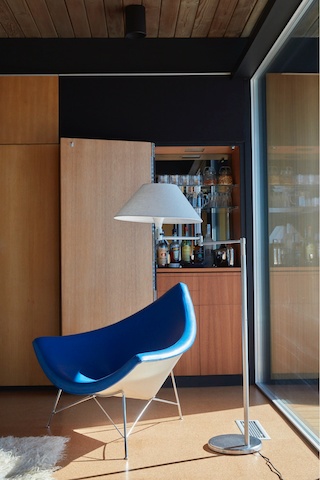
x=158, y=203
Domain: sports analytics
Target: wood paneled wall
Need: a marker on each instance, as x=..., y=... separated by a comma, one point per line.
x=29, y=110
x=29, y=224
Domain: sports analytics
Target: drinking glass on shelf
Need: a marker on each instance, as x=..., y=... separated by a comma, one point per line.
x=174, y=179
x=202, y=199
x=163, y=178
x=184, y=180
x=197, y=179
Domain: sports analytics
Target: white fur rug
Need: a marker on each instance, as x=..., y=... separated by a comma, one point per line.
x=30, y=458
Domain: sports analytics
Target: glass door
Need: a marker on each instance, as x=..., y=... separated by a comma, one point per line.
x=285, y=116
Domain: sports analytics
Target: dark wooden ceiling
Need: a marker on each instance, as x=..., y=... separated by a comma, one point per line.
x=106, y=18
x=88, y=36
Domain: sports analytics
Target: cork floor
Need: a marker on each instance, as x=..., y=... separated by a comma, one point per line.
x=162, y=446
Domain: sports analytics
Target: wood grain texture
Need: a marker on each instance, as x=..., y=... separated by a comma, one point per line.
x=220, y=339
x=106, y=18
x=39, y=11
x=217, y=300
x=204, y=16
x=292, y=123
x=106, y=264
x=240, y=17
x=189, y=364
x=115, y=18
x=29, y=110
x=221, y=289
x=60, y=18
x=153, y=9
x=78, y=16
x=29, y=257
x=294, y=323
x=11, y=27
x=96, y=18
x=24, y=18
x=222, y=17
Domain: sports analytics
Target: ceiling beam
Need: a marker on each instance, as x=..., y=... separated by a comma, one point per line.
x=120, y=56
x=272, y=22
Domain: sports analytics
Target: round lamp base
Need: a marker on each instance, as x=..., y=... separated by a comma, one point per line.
x=234, y=444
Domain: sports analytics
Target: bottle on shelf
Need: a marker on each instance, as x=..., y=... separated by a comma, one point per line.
x=198, y=251
x=208, y=247
x=162, y=251
x=277, y=253
x=297, y=247
x=175, y=255
x=221, y=256
x=310, y=249
x=230, y=256
x=186, y=248
x=288, y=241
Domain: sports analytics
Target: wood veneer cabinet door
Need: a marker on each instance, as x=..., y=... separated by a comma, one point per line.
x=294, y=323
x=29, y=257
x=189, y=364
x=220, y=313
x=106, y=264
x=29, y=110
x=217, y=300
x=220, y=339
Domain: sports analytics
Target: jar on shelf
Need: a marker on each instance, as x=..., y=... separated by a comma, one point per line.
x=274, y=177
x=286, y=176
x=209, y=176
x=225, y=176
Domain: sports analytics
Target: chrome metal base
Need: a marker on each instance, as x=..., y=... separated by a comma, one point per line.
x=234, y=444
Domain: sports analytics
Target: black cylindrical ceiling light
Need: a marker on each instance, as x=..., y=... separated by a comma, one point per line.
x=135, y=21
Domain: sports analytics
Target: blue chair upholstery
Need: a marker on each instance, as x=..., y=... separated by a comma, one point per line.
x=131, y=358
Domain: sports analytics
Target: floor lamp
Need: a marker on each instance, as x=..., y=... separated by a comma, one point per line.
x=159, y=203
x=237, y=444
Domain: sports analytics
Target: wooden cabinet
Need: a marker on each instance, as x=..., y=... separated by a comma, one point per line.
x=29, y=224
x=216, y=294
x=294, y=295
x=293, y=123
x=220, y=327
x=189, y=364
x=106, y=264
x=29, y=110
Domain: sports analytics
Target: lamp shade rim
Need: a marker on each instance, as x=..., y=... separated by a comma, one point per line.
x=158, y=201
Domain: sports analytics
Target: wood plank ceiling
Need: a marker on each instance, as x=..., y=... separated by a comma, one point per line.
x=106, y=18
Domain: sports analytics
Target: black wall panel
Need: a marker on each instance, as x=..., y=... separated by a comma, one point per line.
x=166, y=110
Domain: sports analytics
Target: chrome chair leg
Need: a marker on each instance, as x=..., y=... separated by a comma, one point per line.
x=125, y=436
x=55, y=410
x=177, y=402
x=54, y=407
x=176, y=394
x=125, y=433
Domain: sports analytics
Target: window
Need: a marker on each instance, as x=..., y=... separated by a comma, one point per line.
x=285, y=123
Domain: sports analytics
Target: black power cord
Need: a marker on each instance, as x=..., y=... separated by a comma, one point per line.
x=272, y=468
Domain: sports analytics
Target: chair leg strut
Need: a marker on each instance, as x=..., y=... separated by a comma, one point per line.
x=176, y=394
x=125, y=436
x=54, y=407
x=125, y=433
